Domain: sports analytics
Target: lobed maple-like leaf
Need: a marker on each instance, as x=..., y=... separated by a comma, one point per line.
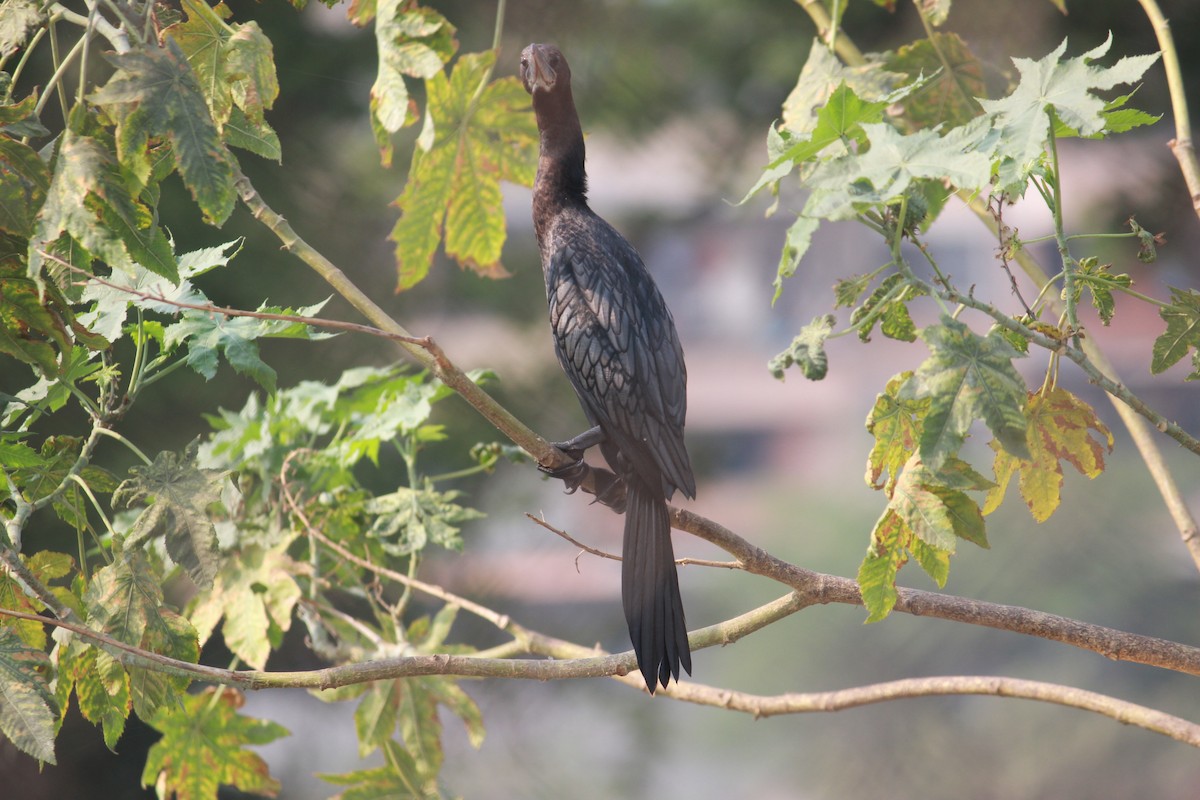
x=888, y=306
x=46, y=565
x=895, y=422
x=203, y=747
x=235, y=69
x=157, y=95
x=894, y=163
x=934, y=505
x=177, y=494
x=1182, y=333
x=479, y=138
x=89, y=200
x=949, y=98
x=255, y=593
x=1063, y=86
x=24, y=181
x=885, y=556
x=102, y=703
x=967, y=377
x=821, y=76
x=207, y=335
x=806, y=351
x=413, y=41
x=27, y=706
x=1059, y=427
x=1100, y=283
x=124, y=599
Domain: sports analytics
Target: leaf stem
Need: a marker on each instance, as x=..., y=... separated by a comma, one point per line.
x=1064, y=251
x=133, y=448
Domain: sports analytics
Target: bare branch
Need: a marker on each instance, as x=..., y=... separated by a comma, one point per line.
x=699, y=562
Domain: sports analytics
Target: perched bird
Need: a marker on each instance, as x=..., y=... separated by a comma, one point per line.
x=616, y=341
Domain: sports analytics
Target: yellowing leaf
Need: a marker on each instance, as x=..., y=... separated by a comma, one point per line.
x=877, y=573
x=155, y=94
x=255, y=593
x=454, y=182
x=1059, y=428
x=412, y=41
x=235, y=68
x=895, y=423
x=203, y=747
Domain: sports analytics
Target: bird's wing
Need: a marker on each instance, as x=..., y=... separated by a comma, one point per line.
x=617, y=343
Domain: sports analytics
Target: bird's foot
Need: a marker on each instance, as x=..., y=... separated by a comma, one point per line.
x=610, y=490
x=571, y=475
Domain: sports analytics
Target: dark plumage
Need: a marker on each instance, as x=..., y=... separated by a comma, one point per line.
x=616, y=341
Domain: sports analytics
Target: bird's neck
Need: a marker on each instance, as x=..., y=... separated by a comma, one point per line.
x=561, y=181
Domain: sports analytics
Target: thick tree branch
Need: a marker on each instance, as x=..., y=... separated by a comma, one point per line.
x=1181, y=145
x=813, y=586
x=568, y=660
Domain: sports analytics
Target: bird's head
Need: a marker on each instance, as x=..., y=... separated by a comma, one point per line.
x=543, y=69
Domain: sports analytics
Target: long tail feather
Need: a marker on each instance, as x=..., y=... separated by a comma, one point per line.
x=650, y=588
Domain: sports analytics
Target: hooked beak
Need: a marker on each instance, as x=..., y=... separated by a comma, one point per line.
x=542, y=75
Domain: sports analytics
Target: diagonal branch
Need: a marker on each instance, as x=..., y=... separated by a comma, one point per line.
x=815, y=587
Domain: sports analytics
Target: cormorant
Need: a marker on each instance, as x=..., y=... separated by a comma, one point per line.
x=616, y=341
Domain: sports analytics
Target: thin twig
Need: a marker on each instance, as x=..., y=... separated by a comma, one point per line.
x=225, y=311
x=699, y=562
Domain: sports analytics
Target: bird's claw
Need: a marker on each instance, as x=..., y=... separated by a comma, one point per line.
x=571, y=475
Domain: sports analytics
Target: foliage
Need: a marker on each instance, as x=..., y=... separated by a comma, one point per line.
x=282, y=513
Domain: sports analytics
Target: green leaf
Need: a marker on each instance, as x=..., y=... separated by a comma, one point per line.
x=967, y=377
x=923, y=509
x=892, y=165
x=799, y=237
x=32, y=325
x=24, y=181
x=1182, y=333
x=255, y=593
x=807, y=351
x=203, y=747
x=257, y=137
x=401, y=779
x=58, y=457
x=178, y=495
x=1100, y=283
x=101, y=703
x=888, y=306
x=1064, y=86
x=949, y=98
x=46, y=565
x=165, y=99
x=89, y=200
x=821, y=76
x=112, y=299
x=407, y=520
x=207, y=334
x=124, y=600
x=27, y=706
x=412, y=41
x=17, y=19
x=895, y=422
x=479, y=139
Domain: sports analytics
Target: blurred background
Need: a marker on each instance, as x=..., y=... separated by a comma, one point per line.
x=676, y=97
